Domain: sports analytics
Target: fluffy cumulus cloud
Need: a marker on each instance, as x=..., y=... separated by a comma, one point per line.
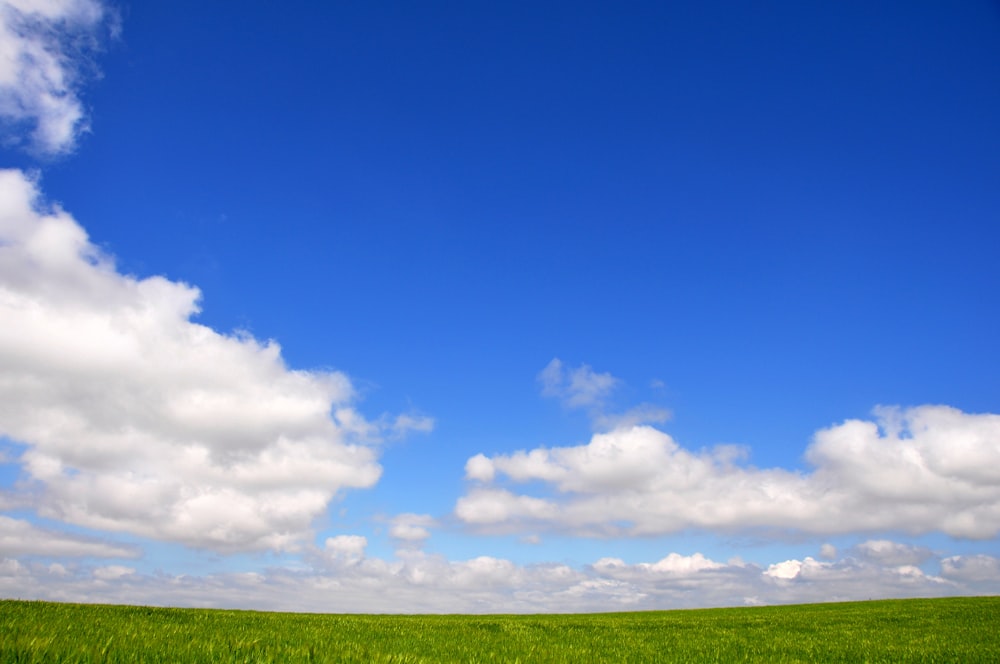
x=41, y=43
x=923, y=469
x=415, y=582
x=134, y=418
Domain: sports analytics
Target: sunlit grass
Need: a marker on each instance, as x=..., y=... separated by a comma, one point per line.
x=924, y=630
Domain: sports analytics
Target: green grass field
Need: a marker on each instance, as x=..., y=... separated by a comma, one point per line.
x=923, y=630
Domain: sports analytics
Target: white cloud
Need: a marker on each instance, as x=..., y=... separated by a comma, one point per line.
x=480, y=468
x=924, y=469
x=350, y=548
x=112, y=572
x=642, y=414
x=490, y=506
x=40, y=47
x=581, y=387
x=980, y=570
x=790, y=569
x=674, y=564
x=21, y=538
x=404, y=423
x=138, y=419
x=810, y=580
x=418, y=582
x=888, y=552
x=411, y=528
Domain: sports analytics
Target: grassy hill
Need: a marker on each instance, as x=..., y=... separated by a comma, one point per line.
x=965, y=629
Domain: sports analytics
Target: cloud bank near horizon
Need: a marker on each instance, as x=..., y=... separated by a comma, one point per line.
x=917, y=470
x=342, y=579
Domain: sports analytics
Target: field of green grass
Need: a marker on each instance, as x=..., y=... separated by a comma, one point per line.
x=922, y=630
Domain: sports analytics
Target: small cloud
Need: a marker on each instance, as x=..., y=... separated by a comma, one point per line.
x=887, y=552
x=411, y=528
x=112, y=572
x=678, y=564
x=346, y=547
x=642, y=414
x=581, y=387
x=405, y=423
x=828, y=552
x=788, y=569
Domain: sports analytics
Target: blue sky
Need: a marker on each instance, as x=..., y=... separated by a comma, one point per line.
x=532, y=307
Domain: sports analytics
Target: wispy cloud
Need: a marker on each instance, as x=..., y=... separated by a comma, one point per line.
x=137, y=419
x=581, y=387
x=888, y=552
x=920, y=470
x=43, y=45
x=22, y=538
x=642, y=414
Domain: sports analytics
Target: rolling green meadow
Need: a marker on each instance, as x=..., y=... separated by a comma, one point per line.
x=916, y=630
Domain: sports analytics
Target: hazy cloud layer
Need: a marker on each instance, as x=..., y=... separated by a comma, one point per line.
x=138, y=419
x=41, y=47
x=924, y=469
x=347, y=581
x=21, y=538
x=888, y=552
